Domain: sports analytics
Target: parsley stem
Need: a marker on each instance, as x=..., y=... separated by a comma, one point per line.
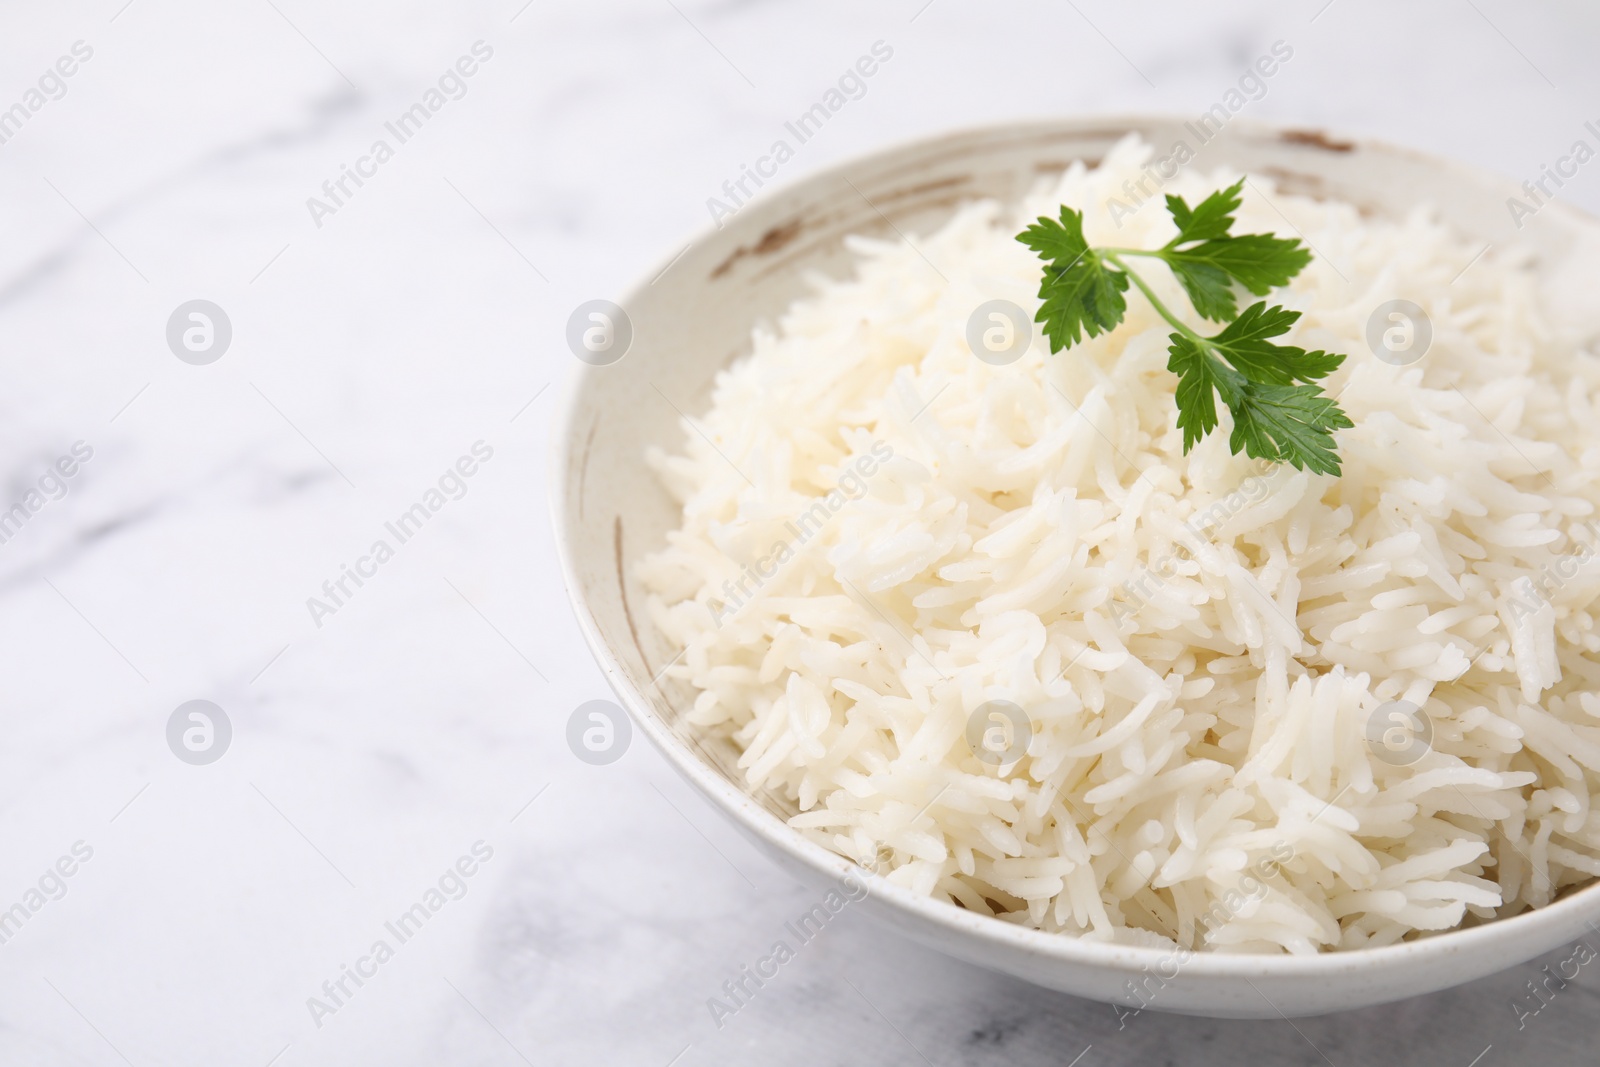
x=1114, y=255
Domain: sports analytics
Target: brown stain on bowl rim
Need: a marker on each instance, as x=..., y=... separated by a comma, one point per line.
x=1313, y=186
x=1316, y=139
x=779, y=237
x=622, y=590
x=1056, y=166
x=1303, y=183
x=851, y=225
x=774, y=240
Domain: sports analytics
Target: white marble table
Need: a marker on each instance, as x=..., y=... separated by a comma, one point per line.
x=375, y=340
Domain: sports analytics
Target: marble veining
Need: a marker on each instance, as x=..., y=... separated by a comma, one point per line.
x=374, y=747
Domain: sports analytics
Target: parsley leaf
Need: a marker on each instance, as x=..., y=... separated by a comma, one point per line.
x=1288, y=423
x=1212, y=218
x=1081, y=294
x=1208, y=260
x=1199, y=375
x=1210, y=287
x=1269, y=389
x=1055, y=241
x=1257, y=261
x=1243, y=342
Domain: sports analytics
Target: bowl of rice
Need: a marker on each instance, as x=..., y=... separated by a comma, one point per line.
x=956, y=629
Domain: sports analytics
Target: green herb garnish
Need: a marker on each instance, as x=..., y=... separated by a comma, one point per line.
x=1278, y=414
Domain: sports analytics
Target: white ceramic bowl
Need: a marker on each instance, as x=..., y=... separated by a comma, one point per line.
x=696, y=316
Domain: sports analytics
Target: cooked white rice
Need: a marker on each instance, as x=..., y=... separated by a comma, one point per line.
x=1200, y=642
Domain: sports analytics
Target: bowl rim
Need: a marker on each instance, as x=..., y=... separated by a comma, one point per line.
x=1576, y=910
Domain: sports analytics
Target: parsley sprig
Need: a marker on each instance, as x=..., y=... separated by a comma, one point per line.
x=1279, y=414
